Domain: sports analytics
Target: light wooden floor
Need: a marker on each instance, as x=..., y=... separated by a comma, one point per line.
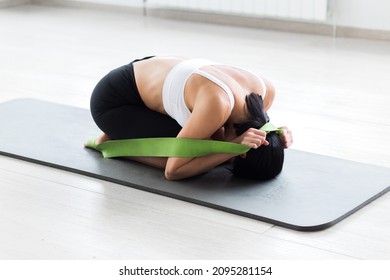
x=333, y=93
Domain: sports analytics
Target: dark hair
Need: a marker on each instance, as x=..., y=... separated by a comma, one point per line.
x=265, y=162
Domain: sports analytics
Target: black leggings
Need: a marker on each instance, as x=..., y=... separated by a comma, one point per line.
x=118, y=110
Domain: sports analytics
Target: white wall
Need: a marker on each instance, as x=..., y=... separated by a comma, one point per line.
x=368, y=14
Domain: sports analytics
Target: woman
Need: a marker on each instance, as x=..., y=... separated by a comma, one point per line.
x=190, y=98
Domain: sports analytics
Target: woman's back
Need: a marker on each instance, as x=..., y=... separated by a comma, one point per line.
x=151, y=74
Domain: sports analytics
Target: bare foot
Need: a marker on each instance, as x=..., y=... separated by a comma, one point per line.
x=102, y=138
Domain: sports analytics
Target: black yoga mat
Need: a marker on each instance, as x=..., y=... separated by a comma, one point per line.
x=313, y=192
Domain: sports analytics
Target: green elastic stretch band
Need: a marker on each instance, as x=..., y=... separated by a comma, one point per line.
x=269, y=127
x=170, y=147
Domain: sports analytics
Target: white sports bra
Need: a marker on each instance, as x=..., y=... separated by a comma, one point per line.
x=175, y=82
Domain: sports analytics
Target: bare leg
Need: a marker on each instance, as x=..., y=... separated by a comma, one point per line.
x=159, y=162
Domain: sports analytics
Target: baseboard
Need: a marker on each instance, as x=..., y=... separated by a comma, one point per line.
x=91, y=5
x=11, y=3
x=353, y=32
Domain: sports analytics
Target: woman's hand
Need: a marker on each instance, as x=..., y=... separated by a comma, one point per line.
x=286, y=136
x=252, y=138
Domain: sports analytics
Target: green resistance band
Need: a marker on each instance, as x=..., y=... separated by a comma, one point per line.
x=171, y=147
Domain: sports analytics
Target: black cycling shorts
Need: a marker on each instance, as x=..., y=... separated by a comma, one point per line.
x=118, y=110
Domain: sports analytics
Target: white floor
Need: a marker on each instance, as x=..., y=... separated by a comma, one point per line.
x=333, y=93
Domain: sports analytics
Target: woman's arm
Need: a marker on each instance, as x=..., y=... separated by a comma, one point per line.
x=188, y=167
x=208, y=115
x=210, y=112
x=194, y=166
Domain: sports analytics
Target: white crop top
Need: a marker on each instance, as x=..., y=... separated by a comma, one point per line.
x=175, y=82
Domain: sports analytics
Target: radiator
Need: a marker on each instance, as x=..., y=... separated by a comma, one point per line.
x=289, y=9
